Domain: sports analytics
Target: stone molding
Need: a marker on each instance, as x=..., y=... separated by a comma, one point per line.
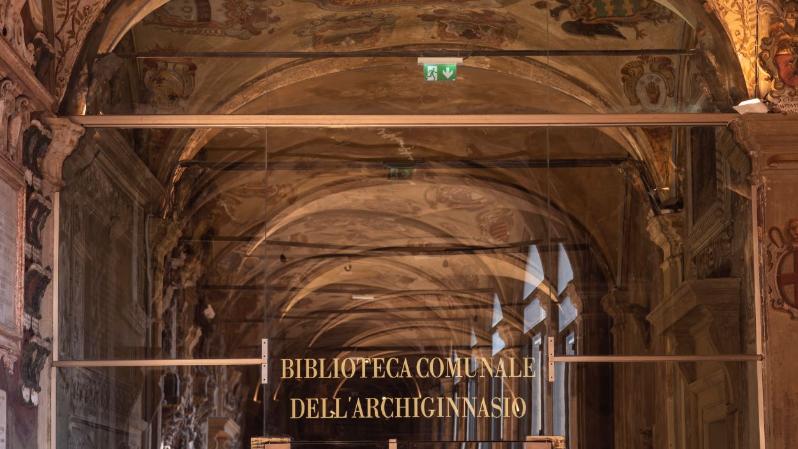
x=700, y=304
x=13, y=67
x=769, y=140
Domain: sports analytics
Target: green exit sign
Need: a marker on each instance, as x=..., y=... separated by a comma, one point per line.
x=440, y=72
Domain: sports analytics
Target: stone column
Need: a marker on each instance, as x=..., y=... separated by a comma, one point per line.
x=772, y=143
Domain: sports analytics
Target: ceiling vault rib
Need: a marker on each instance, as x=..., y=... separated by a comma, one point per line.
x=410, y=53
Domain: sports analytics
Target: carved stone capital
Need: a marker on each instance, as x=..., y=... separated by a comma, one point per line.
x=65, y=137
x=666, y=232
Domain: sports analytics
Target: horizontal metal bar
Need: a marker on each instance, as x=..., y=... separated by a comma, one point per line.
x=414, y=165
x=655, y=358
x=402, y=121
x=345, y=291
x=405, y=441
x=145, y=363
x=538, y=52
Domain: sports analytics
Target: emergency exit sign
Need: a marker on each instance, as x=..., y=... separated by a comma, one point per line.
x=440, y=72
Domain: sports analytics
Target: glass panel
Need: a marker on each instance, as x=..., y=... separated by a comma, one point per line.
x=497, y=232
x=658, y=405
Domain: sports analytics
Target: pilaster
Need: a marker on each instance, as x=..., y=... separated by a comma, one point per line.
x=772, y=144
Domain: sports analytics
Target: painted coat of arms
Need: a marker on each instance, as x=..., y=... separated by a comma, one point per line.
x=778, y=56
x=240, y=19
x=593, y=18
x=782, y=268
x=649, y=82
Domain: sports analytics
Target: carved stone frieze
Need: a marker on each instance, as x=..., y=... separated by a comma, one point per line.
x=15, y=111
x=38, y=274
x=13, y=28
x=38, y=140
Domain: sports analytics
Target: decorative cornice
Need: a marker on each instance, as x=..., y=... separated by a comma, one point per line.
x=14, y=67
x=121, y=161
x=769, y=139
x=713, y=293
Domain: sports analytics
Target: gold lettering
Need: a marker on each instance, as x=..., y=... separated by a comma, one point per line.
x=425, y=410
x=312, y=408
x=419, y=372
x=483, y=409
x=402, y=407
x=373, y=407
x=496, y=406
x=454, y=367
x=406, y=369
x=519, y=407
x=301, y=404
x=379, y=372
x=358, y=413
x=311, y=371
x=529, y=367
x=485, y=364
x=288, y=368
x=385, y=413
x=436, y=368
x=453, y=405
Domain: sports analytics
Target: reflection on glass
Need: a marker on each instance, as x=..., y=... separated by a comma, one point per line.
x=497, y=343
x=497, y=311
x=567, y=313
x=533, y=315
x=565, y=272
x=534, y=271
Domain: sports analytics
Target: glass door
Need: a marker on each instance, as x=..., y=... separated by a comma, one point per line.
x=467, y=287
